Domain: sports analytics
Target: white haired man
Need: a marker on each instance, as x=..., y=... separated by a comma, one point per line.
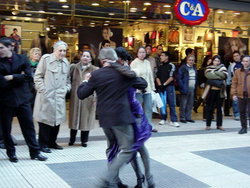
x=52, y=82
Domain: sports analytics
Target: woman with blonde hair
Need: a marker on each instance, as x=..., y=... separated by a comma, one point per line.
x=34, y=57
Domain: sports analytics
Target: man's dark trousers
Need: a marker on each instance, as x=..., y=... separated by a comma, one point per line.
x=1, y=136
x=24, y=116
x=124, y=135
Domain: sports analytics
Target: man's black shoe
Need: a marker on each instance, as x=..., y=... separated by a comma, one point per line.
x=2, y=146
x=243, y=130
x=183, y=121
x=39, y=156
x=191, y=121
x=154, y=130
x=56, y=146
x=45, y=150
x=84, y=145
x=13, y=159
x=121, y=185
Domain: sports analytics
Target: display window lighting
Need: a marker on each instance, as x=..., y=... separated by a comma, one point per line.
x=106, y=24
x=143, y=17
x=28, y=14
x=147, y=4
x=41, y=11
x=111, y=2
x=107, y=21
x=59, y=13
x=111, y=14
x=133, y=9
x=168, y=12
x=95, y=4
x=220, y=11
x=65, y=6
x=167, y=6
x=62, y=1
x=237, y=13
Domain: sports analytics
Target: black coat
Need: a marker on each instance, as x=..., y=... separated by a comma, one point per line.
x=15, y=92
x=113, y=107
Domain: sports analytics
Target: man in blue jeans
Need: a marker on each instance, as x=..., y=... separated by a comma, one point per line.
x=231, y=70
x=164, y=79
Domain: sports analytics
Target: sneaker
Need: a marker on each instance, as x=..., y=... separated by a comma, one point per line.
x=162, y=122
x=175, y=124
x=237, y=118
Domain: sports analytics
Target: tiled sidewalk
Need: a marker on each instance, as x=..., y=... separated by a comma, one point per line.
x=182, y=157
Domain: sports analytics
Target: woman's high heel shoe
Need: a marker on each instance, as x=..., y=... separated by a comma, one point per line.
x=140, y=181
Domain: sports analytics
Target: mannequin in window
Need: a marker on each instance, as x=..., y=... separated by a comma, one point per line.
x=17, y=39
x=107, y=34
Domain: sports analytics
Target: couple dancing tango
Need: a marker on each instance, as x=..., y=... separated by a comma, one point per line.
x=120, y=115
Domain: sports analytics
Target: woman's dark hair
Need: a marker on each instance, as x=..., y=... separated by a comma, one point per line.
x=216, y=57
x=6, y=41
x=206, y=59
x=139, y=49
x=92, y=58
x=123, y=54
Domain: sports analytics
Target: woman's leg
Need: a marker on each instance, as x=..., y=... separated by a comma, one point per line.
x=84, y=138
x=146, y=162
x=72, y=138
x=210, y=107
x=147, y=107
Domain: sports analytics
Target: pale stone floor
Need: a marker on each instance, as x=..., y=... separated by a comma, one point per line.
x=182, y=157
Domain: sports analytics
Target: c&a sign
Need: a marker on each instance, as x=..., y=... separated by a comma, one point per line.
x=191, y=12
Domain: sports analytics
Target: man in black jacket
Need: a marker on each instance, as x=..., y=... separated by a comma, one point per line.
x=113, y=110
x=15, y=73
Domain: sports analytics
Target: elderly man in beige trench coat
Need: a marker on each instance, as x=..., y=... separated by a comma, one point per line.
x=81, y=112
x=52, y=82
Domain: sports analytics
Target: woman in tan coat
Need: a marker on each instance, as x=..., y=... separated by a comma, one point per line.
x=52, y=82
x=81, y=112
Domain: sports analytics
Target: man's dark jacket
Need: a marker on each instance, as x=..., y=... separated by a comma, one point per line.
x=113, y=107
x=15, y=92
x=183, y=79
